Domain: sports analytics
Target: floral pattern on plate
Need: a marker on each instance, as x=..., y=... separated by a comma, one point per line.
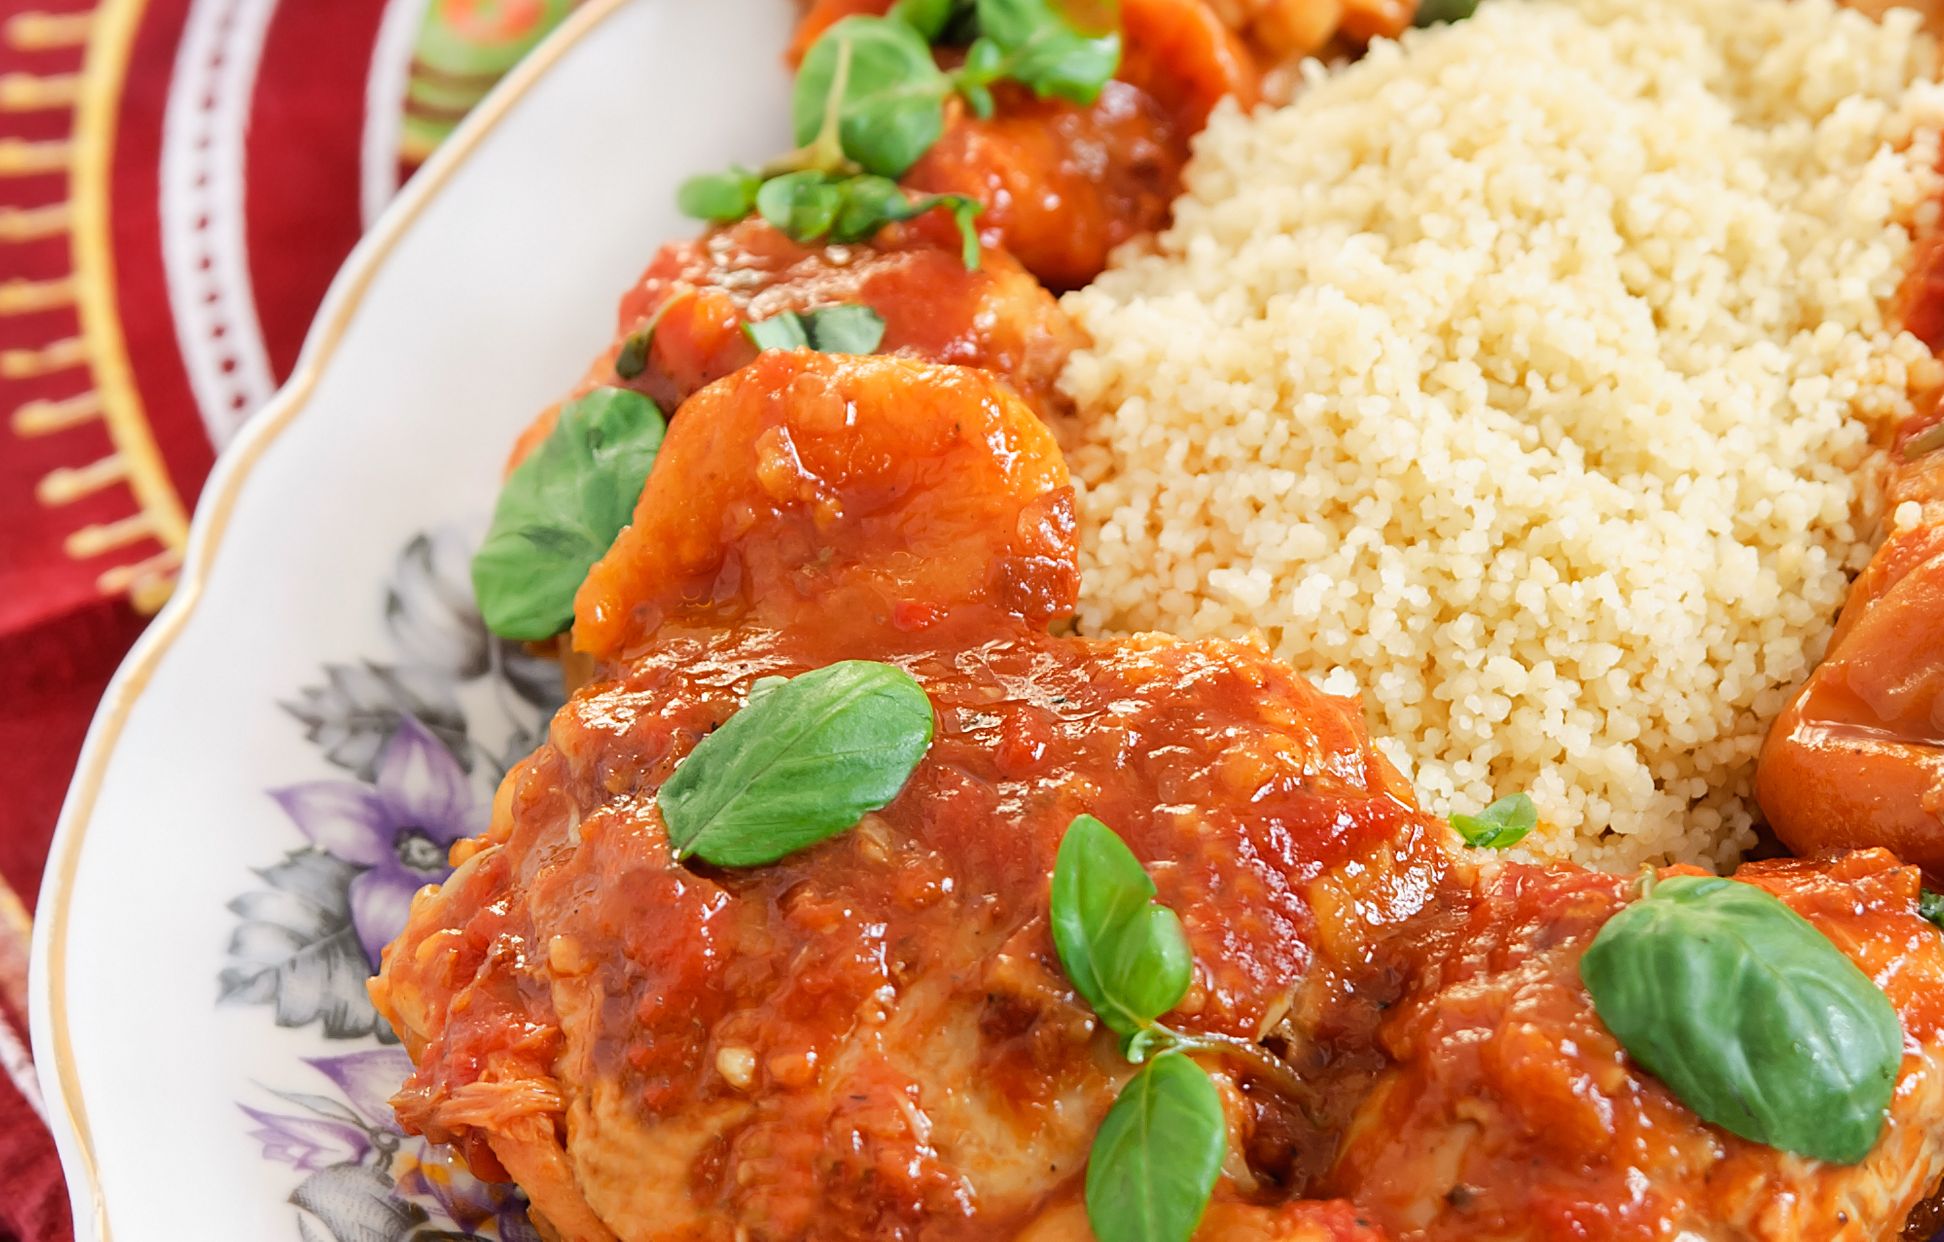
x=418, y=744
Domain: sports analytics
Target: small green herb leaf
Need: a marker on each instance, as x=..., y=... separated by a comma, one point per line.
x=1034, y=43
x=1433, y=12
x=800, y=762
x=1930, y=905
x=1499, y=826
x=722, y=197
x=1127, y=956
x=802, y=205
x=561, y=509
x=1750, y=1015
x=780, y=331
x=1157, y=1155
x=845, y=328
x=632, y=358
x=878, y=77
x=871, y=202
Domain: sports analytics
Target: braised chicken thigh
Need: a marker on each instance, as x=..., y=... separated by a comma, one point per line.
x=874, y=1038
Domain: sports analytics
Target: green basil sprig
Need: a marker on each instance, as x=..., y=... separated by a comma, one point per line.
x=1499, y=826
x=810, y=205
x=1033, y=43
x=561, y=509
x=869, y=101
x=1749, y=1014
x=1125, y=953
x=1157, y=1154
x=845, y=328
x=874, y=79
x=803, y=760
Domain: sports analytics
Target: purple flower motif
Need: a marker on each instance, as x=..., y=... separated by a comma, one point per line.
x=398, y=828
x=307, y=1144
x=436, y=1173
x=367, y=1081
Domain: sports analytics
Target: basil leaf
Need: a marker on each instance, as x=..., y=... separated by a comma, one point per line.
x=561, y=509
x=846, y=328
x=1157, y=1155
x=721, y=197
x=1433, y=12
x=800, y=762
x=781, y=331
x=1750, y=1015
x=1930, y=905
x=632, y=358
x=842, y=328
x=889, y=99
x=1499, y=826
x=871, y=202
x=1127, y=956
x=1043, y=50
x=802, y=205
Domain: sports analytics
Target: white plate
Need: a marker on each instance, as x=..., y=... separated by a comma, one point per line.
x=330, y=551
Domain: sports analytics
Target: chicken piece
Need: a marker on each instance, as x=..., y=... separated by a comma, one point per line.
x=697, y=295
x=872, y=1038
x=1064, y=185
x=1857, y=759
x=1513, y=1113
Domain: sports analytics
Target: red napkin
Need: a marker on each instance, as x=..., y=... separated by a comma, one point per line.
x=167, y=228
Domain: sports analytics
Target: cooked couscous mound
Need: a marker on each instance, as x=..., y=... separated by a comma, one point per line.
x=1522, y=376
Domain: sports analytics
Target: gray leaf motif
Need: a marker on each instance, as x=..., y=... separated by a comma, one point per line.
x=435, y=621
x=429, y=607
x=356, y=711
x=534, y=679
x=355, y=1202
x=296, y=948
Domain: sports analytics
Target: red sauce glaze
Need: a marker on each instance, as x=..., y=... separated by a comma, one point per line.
x=1511, y=1111
x=1062, y=183
x=699, y=294
x=872, y=1038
